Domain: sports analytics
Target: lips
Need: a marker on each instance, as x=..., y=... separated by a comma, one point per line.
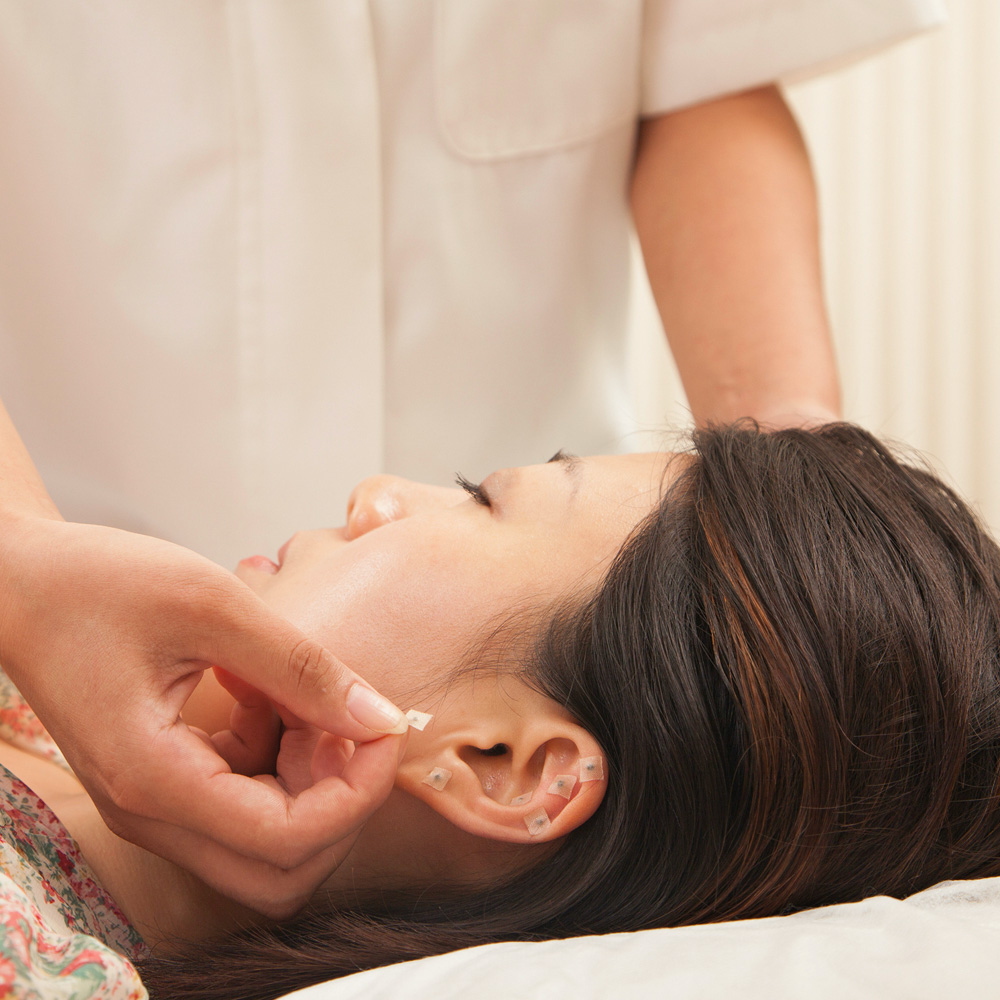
x=261, y=563
x=264, y=565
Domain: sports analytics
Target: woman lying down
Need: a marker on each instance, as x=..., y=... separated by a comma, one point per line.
x=752, y=677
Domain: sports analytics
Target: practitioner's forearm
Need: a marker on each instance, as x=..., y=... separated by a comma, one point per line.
x=22, y=492
x=725, y=207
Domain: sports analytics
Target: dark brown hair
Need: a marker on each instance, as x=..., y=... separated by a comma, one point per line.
x=792, y=667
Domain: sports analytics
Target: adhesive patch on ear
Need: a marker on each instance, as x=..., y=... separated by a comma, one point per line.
x=438, y=778
x=591, y=769
x=537, y=822
x=418, y=720
x=520, y=799
x=563, y=785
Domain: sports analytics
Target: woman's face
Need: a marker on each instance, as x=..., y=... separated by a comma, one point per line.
x=420, y=572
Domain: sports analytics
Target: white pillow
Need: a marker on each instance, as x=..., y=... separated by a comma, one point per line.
x=941, y=943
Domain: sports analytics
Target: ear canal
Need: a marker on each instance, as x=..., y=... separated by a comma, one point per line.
x=492, y=765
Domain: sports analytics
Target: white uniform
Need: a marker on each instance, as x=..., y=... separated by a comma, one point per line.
x=252, y=251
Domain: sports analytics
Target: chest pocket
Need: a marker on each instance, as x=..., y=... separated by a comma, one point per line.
x=514, y=77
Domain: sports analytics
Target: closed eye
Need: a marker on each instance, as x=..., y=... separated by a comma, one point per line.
x=475, y=490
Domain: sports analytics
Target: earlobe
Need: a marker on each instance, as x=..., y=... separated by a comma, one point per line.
x=537, y=782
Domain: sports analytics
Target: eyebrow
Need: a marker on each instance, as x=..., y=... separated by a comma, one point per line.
x=571, y=465
x=570, y=461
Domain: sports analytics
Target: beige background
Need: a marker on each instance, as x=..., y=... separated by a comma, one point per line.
x=906, y=148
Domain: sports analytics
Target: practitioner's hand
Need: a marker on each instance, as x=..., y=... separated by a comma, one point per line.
x=268, y=740
x=106, y=633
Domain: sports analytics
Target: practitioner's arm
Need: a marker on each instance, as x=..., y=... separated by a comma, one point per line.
x=106, y=632
x=725, y=207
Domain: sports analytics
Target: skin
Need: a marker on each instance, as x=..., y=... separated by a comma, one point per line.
x=413, y=577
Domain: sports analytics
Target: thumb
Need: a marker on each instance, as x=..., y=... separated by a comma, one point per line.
x=267, y=652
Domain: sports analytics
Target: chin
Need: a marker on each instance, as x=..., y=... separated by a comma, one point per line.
x=252, y=578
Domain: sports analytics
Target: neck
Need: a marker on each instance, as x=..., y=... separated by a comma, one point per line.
x=407, y=845
x=164, y=903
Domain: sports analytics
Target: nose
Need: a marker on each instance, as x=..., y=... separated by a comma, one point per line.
x=378, y=500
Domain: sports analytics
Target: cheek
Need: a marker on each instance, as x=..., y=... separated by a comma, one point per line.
x=331, y=599
x=400, y=622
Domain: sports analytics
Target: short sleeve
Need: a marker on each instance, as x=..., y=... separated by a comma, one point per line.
x=695, y=50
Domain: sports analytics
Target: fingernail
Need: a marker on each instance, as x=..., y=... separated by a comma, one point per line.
x=374, y=711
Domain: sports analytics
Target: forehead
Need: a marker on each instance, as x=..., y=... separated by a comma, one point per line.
x=642, y=477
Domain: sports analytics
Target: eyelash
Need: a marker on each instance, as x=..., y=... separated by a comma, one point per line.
x=474, y=490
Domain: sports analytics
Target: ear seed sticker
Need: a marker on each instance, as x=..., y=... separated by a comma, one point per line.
x=591, y=769
x=418, y=720
x=520, y=799
x=537, y=822
x=563, y=785
x=438, y=778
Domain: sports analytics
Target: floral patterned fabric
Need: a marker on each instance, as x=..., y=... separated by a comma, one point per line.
x=62, y=937
x=20, y=727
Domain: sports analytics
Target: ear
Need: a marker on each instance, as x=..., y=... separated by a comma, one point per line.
x=521, y=778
